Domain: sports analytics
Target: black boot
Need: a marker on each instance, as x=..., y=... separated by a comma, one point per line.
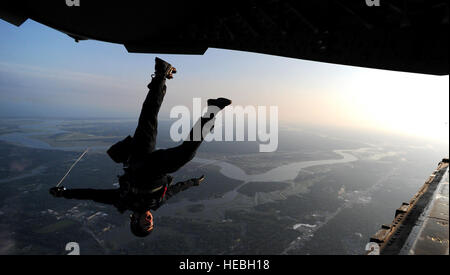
x=164, y=69
x=220, y=102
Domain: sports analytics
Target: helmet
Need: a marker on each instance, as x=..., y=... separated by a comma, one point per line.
x=141, y=224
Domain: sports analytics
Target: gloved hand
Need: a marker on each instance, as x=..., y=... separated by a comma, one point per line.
x=197, y=181
x=57, y=192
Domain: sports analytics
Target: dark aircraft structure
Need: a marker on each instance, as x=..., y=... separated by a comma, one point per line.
x=420, y=226
x=398, y=35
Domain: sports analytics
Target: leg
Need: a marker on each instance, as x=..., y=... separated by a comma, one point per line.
x=144, y=139
x=174, y=158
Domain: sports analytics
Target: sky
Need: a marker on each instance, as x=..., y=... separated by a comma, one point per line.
x=44, y=73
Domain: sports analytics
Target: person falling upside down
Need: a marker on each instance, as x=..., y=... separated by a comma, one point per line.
x=146, y=185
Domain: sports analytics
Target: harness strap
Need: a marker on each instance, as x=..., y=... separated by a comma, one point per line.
x=141, y=191
x=135, y=190
x=165, y=190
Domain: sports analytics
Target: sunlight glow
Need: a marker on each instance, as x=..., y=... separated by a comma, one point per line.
x=412, y=104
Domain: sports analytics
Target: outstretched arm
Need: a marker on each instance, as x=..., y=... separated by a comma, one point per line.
x=107, y=196
x=181, y=186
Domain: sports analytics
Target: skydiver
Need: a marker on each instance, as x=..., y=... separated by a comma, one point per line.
x=146, y=185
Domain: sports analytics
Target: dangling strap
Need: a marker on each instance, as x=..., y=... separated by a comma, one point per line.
x=165, y=190
x=73, y=165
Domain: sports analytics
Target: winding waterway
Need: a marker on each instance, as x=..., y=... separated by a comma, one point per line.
x=284, y=173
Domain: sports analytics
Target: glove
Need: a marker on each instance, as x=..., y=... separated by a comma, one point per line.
x=57, y=192
x=197, y=181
